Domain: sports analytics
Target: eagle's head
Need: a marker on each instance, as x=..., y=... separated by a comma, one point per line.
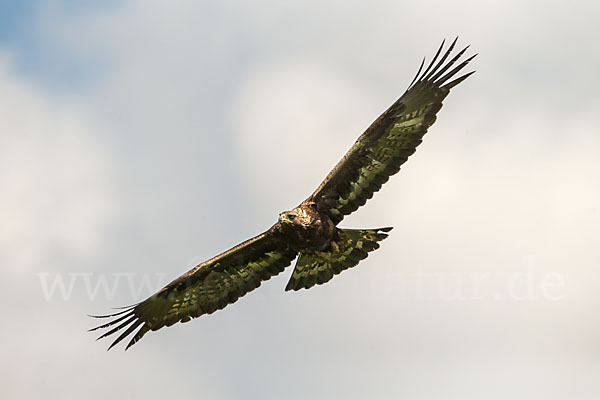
x=297, y=216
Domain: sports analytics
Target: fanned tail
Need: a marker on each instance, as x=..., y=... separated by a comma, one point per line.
x=318, y=267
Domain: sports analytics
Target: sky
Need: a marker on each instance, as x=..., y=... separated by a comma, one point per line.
x=139, y=138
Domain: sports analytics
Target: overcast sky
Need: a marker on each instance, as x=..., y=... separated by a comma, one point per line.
x=139, y=138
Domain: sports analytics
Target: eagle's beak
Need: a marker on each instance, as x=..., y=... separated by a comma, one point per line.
x=283, y=217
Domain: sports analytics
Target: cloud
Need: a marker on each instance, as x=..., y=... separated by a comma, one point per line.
x=289, y=119
x=194, y=127
x=56, y=178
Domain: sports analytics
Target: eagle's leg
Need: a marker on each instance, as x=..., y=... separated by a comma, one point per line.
x=351, y=246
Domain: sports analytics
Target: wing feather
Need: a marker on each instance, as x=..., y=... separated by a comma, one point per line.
x=390, y=140
x=206, y=288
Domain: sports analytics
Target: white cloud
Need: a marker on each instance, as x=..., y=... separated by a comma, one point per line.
x=55, y=178
x=289, y=119
x=214, y=108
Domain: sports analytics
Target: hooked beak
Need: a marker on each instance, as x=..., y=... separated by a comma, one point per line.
x=283, y=217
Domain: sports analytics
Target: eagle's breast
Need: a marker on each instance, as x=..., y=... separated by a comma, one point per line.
x=310, y=230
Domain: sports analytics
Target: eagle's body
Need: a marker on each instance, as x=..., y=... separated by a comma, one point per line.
x=306, y=228
x=309, y=231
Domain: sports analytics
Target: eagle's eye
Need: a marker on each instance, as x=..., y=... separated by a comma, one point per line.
x=291, y=217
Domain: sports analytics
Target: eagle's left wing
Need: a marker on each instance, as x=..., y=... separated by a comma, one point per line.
x=389, y=141
x=206, y=288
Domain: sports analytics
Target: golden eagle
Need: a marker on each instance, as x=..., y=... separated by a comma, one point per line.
x=310, y=230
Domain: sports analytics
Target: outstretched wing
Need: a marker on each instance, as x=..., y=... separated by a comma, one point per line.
x=390, y=140
x=206, y=288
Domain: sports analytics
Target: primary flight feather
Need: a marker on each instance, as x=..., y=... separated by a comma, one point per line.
x=310, y=230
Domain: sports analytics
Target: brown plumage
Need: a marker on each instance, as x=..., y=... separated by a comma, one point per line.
x=309, y=230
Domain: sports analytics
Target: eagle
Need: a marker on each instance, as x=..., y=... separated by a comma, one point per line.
x=310, y=231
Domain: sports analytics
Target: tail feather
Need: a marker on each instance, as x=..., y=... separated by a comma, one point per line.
x=318, y=267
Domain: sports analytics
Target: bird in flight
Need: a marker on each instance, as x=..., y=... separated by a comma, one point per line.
x=309, y=231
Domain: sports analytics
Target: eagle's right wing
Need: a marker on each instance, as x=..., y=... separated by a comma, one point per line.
x=389, y=141
x=206, y=288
